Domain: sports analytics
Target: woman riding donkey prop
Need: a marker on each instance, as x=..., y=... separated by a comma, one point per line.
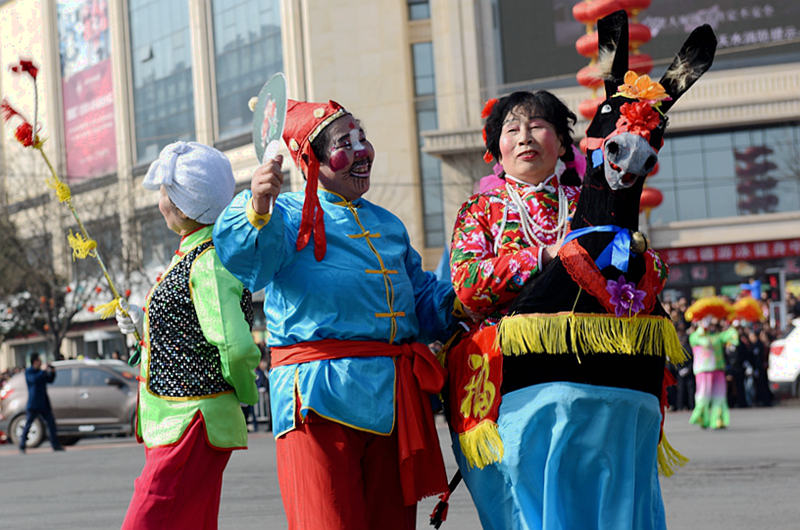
x=558, y=410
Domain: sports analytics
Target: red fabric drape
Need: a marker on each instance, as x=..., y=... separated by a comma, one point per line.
x=419, y=374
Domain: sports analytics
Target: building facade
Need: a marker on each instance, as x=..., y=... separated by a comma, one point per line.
x=120, y=79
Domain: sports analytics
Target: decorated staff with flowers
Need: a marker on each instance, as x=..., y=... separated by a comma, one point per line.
x=558, y=409
x=82, y=244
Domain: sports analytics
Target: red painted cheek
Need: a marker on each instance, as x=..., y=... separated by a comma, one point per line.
x=339, y=161
x=506, y=146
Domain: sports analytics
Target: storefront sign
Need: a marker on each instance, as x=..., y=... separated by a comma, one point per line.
x=735, y=252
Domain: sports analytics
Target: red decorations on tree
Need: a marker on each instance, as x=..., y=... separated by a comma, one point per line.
x=753, y=185
x=588, y=12
x=638, y=118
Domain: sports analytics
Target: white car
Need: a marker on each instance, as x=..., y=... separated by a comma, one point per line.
x=784, y=362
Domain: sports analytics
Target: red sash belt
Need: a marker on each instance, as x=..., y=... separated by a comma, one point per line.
x=419, y=374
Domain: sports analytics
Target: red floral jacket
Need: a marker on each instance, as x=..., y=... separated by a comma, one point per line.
x=487, y=281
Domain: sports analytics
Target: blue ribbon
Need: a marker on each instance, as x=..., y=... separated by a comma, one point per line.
x=616, y=253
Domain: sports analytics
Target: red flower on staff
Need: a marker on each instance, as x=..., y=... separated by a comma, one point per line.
x=638, y=118
x=23, y=132
x=25, y=66
x=8, y=111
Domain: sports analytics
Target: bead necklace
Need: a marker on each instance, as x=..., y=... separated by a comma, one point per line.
x=527, y=223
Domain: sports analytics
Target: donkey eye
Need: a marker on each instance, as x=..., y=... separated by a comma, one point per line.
x=606, y=109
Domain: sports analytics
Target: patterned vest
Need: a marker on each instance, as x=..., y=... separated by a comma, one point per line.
x=183, y=364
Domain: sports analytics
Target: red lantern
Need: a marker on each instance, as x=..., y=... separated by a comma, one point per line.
x=588, y=107
x=586, y=45
x=600, y=8
x=655, y=170
x=589, y=77
x=638, y=34
x=650, y=199
x=633, y=6
x=641, y=63
x=589, y=11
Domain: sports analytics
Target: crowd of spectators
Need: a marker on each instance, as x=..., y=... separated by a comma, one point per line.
x=745, y=365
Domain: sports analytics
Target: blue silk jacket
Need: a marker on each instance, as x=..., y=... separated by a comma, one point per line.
x=370, y=286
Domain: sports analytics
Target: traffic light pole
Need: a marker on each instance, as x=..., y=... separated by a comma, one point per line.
x=781, y=303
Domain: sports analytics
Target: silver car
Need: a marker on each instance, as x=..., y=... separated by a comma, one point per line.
x=88, y=397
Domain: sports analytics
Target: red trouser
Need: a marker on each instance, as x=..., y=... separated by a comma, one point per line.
x=333, y=477
x=180, y=485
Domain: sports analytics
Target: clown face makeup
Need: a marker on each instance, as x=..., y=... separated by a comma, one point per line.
x=350, y=157
x=529, y=146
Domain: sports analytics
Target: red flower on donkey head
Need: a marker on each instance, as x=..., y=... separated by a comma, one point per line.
x=638, y=118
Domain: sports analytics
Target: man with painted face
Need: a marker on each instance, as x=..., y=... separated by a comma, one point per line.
x=348, y=317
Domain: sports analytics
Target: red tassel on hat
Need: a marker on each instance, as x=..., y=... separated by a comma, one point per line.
x=304, y=121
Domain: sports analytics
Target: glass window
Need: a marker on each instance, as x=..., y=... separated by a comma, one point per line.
x=159, y=242
x=63, y=377
x=163, y=94
x=430, y=167
x=418, y=9
x=93, y=377
x=247, y=52
x=728, y=173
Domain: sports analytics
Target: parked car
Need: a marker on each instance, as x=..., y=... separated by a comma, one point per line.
x=784, y=362
x=89, y=398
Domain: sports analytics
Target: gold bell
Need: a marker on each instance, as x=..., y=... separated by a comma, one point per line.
x=639, y=243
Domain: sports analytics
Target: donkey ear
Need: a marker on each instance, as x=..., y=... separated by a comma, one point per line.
x=612, y=42
x=692, y=61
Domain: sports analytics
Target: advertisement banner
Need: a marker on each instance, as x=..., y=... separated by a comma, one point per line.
x=87, y=88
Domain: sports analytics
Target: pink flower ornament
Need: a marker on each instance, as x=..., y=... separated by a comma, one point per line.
x=626, y=299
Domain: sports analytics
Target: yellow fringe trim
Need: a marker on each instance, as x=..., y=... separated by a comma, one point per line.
x=481, y=445
x=562, y=333
x=62, y=190
x=106, y=310
x=81, y=247
x=668, y=458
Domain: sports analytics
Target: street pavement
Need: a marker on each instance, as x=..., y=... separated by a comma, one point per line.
x=746, y=476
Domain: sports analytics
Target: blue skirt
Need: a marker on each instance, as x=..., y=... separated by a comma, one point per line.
x=576, y=457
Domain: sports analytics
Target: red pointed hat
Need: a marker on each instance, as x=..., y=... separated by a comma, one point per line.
x=304, y=121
